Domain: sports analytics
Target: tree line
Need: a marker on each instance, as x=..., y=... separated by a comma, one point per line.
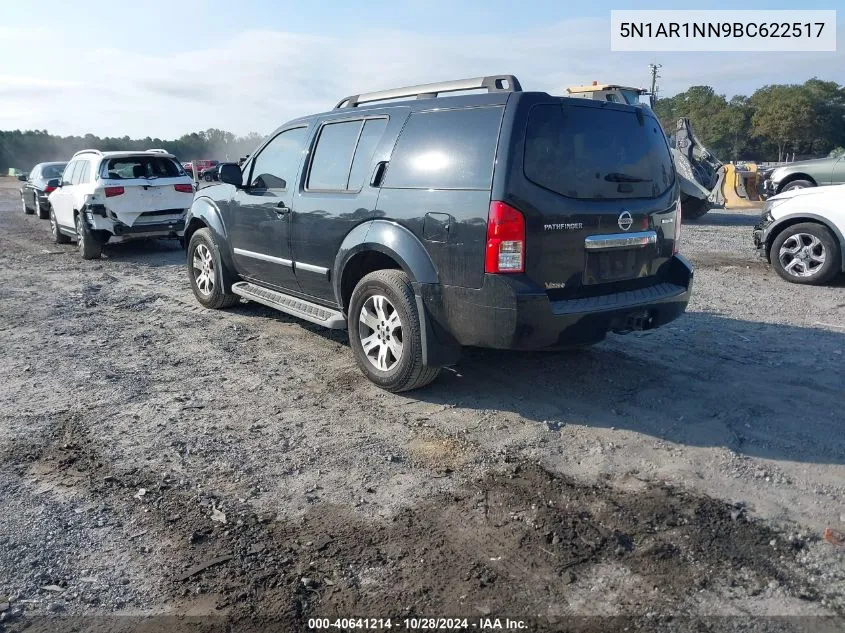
x=777, y=121
x=22, y=150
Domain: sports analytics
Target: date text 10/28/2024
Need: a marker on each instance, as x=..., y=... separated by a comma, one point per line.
x=411, y=624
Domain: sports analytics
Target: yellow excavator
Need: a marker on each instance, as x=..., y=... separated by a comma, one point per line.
x=706, y=182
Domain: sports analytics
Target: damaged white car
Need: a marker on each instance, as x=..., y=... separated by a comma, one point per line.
x=102, y=195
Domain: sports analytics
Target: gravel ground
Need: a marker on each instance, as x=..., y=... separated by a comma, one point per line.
x=160, y=459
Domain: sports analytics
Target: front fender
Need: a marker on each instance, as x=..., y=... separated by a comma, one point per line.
x=204, y=212
x=789, y=219
x=391, y=239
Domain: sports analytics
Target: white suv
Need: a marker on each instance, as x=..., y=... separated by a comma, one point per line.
x=121, y=194
x=802, y=234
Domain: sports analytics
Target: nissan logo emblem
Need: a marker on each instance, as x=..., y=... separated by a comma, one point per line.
x=625, y=221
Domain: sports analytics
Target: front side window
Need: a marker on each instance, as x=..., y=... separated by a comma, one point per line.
x=276, y=166
x=446, y=149
x=67, y=176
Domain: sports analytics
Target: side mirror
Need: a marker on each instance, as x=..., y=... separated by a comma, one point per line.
x=22, y=177
x=231, y=174
x=55, y=183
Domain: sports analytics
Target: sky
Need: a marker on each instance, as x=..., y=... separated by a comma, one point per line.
x=163, y=69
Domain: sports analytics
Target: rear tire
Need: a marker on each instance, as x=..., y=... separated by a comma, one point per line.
x=806, y=253
x=40, y=211
x=385, y=333
x=796, y=184
x=210, y=279
x=58, y=236
x=89, y=244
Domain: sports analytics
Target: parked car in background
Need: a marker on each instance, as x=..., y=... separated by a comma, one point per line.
x=36, y=188
x=801, y=233
x=123, y=194
x=510, y=219
x=200, y=166
x=211, y=174
x=805, y=173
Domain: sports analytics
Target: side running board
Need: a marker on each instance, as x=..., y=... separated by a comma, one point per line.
x=321, y=315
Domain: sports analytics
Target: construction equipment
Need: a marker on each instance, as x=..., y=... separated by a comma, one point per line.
x=706, y=182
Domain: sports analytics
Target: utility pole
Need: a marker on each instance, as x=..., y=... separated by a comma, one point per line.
x=655, y=75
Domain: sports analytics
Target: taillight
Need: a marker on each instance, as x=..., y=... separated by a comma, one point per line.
x=505, y=239
x=677, y=227
x=184, y=188
x=49, y=189
x=114, y=191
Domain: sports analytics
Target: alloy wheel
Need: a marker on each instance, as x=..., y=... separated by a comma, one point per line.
x=380, y=332
x=203, y=266
x=802, y=255
x=54, y=227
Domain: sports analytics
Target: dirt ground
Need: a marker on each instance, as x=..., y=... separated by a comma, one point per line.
x=225, y=468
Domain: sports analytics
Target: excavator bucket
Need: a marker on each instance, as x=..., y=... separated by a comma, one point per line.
x=737, y=186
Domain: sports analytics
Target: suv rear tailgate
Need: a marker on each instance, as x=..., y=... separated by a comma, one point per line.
x=141, y=196
x=596, y=184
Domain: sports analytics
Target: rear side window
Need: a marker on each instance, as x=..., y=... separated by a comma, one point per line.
x=51, y=171
x=84, y=174
x=127, y=167
x=446, y=149
x=592, y=153
x=343, y=154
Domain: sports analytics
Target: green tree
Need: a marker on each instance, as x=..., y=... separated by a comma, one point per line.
x=783, y=115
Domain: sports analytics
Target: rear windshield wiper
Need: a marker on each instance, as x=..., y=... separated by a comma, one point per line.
x=615, y=176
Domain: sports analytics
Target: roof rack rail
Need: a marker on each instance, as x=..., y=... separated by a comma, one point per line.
x=88, y=151
x=492, y=83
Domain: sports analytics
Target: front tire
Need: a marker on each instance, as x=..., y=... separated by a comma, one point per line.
x=210, y=279
x=796, y=184
x=58, y=236
x=385, y=332
x=89, y=244
x=806, y=253
x=26, y=209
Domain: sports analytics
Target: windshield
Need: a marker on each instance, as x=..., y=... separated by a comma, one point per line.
x=48, y=172
x=592, y=153
x=140, y=167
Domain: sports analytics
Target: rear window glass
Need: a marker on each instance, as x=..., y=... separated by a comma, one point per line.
x=140, y=167
x=591, y=153
x=446, y=149
x=48, y=172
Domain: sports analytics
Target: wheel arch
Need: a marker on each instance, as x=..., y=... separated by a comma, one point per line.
x=790, y=220
x=376, y=245
x=797, y=176
x=204, y=213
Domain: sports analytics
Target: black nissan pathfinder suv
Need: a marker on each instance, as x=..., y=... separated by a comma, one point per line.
x=424, y=223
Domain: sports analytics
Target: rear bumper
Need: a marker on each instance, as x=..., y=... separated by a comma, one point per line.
x=173, y=229
x=103, y=220
x=504, y=313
